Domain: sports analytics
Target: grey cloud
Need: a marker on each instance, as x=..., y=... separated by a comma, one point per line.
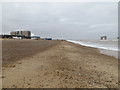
x=62, y=20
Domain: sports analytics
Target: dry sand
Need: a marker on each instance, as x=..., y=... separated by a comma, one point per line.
x=56, y=64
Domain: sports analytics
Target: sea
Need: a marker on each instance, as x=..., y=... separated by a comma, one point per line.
x=107, y=47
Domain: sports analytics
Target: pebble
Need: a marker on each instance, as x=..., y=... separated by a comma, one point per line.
x=47, y=85
x=19, y=62
x=73, y=70
x=3, y=68
x=79, y=74
x=2, y=76
x=14, y=86
x=71, y=77
x=12, y=65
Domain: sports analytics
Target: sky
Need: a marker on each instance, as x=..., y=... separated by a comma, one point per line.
x=65, y=20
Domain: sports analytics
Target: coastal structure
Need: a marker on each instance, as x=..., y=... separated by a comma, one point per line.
x=17, y=35
x=103, y=38
x=22, y=34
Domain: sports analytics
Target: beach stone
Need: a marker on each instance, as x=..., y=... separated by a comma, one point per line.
x=70, y=77
x=13, y=66
x=80, y=74
x=73, y=70
x=2, y=76
x=19, y=62
x=3, y=68
x=28, y=87
x=47, y=85
x=79, y=67
x=57, y=71
x=14, y=86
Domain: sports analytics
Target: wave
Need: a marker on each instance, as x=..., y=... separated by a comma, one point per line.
x=99, y=45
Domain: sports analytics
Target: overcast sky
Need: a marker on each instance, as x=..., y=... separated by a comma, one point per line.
x=68, y=20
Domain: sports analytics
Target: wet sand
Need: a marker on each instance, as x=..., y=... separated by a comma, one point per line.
x=110, y=53
x=56, y=64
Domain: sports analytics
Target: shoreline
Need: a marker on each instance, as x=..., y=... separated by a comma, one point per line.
x=110, y=53
x=63, y=65
x=102, y=51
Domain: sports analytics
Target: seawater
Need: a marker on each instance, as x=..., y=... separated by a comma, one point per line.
x=108, y=47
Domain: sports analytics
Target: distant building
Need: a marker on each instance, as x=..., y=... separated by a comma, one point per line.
x=103, y=38
x=22, y=34
x=118, y=37
x=6, y=36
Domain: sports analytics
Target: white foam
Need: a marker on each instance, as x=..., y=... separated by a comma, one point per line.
x=89, y=44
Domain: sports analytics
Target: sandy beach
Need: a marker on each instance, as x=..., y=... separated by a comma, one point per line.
x=56, y=64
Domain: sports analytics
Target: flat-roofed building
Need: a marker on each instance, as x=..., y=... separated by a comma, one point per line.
x=23, y=34
x=13, y=33
x=103, y=38
x=26, y=33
